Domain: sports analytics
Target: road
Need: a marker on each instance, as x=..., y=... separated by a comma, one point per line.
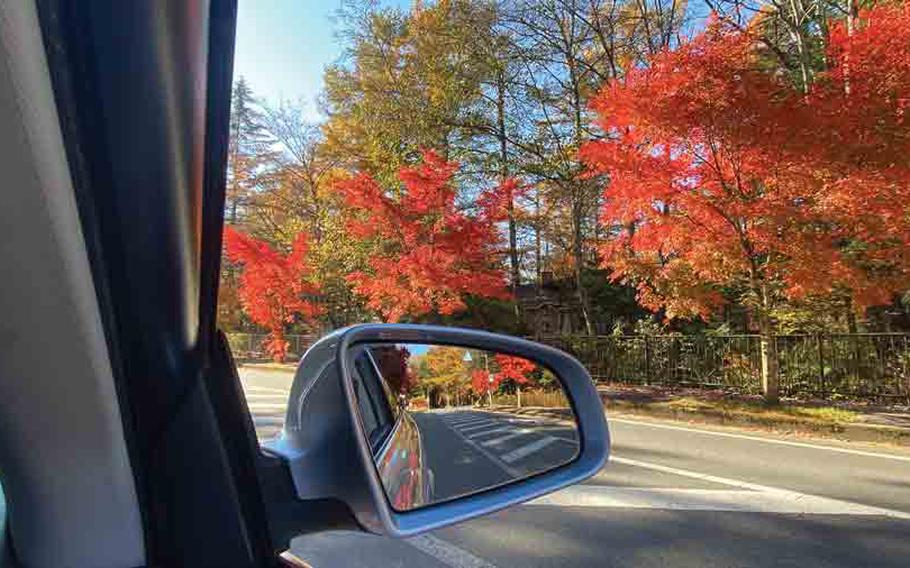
x=469, y=450
x=672, y=495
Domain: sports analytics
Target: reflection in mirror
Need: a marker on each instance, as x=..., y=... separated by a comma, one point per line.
x=445, y=421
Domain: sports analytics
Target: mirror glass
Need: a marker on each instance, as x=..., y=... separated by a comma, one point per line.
x=444, y=421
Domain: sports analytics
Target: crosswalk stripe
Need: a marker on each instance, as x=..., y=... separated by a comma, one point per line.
x=257, y=396
x=528, y=449
x=506, y=438
x=493, y=431
x=466, y=420
x=266, y=390
x=265, y=407
x=479, y=426
x=467, y=423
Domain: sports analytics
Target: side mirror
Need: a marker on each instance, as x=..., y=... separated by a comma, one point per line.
x=416, y=427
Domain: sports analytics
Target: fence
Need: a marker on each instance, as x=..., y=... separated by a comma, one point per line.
x=850, y=365
x=249, y=346
x=865, y=365
x=548, y=399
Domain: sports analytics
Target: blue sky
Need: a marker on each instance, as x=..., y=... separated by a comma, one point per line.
x=283, y=46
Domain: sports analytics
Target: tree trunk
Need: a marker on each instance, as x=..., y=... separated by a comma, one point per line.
x=853, y=363
x=798, y=12
x=538, y=257
x=501, y=134
x=518, y=395
x=578, y=254
x=578, y=195
x=770, y=376
x=852, y=15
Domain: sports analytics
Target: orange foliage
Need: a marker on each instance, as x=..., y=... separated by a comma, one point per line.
x=273, y=285
x=513, y=368
x=429, y=255
x=481, y=383
x=722, y=173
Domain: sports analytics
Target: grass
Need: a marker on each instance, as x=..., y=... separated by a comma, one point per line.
x=821, y=415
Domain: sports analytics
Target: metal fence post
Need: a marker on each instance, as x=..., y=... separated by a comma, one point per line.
x=821, y=364
x=647, y=361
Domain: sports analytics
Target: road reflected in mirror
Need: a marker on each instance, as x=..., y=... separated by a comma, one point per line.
x=446, y=421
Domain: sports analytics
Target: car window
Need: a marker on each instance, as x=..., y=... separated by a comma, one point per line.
x=367, y=411
x=373, y=402
x=383, y=388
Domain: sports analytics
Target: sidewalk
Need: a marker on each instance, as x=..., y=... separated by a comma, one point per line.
x=849, y=422
x=846, y=421
x=282, y=367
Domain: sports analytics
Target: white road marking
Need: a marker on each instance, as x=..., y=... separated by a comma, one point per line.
x=507, y=437
x=446, y=552
x=761, y=439
x=255, y=388
x=479, y=426
x=774, y=499
x=462, y=423
x=528, y=449
x=493, y=431
x=465, y=416
x=258, y=396
x=265, y=407
x=508, y=470
x=778, y=501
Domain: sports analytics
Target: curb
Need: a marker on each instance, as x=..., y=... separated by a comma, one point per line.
x=284, y=368
x=851, y=432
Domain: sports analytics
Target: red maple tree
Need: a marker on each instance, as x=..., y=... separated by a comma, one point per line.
x=428, y=253
x=725, y=176
x=481, y=383
x=273, y=286
x=512, y=368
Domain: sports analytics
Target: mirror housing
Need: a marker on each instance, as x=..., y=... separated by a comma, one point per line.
x=329, y=456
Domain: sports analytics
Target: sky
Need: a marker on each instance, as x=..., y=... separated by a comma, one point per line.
x=283, y=46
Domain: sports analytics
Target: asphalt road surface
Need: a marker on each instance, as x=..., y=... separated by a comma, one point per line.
x=469, y=450
x=672, y=495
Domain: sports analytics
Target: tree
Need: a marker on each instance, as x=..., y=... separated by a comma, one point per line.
x=484, y=382
x=248, y=154
x=428, y=255
x=719, y=180
x=296, y=193
x=273, y=286
x=516, y=369
x=569, y=48
x=444, y=368
x=248, y=149
x=408, y=81
x=394, y=366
